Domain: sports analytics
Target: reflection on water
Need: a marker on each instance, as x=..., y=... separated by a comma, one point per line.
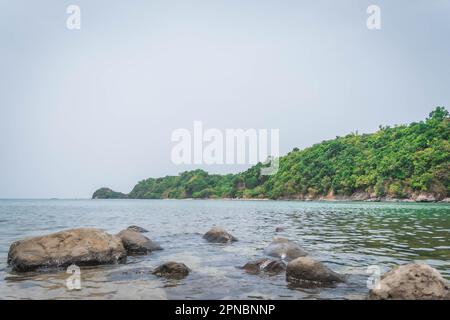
x=348, y=237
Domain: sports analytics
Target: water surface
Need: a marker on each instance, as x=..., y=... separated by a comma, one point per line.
x=347, y=237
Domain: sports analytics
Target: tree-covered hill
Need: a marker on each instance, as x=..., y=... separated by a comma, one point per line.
x=405, y=161
x=106, y=193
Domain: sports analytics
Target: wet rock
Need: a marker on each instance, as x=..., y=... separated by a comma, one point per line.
x=279, y=229
x=137, y=229
x=284, y=249
x=172, y=270
x=306, y=272
x=415, y=281
x=82, y=247
x=217, y=234
x=446, y=200
x=136, y=243
x=264, y=265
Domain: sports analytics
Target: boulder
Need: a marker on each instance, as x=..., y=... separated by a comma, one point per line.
x=172, y=270
x=306, y=272
x=136, y=243
x=264, y=265
x=219, y=235
x=137, y=229
x=82, y=247
x=284, y=249
x=279, y=229
x=415, y=281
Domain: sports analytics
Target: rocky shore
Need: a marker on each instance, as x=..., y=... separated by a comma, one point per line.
x=371, y=197
x=91, y=247
x=358, y=196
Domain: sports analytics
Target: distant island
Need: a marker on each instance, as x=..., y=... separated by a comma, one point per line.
x=403, y=162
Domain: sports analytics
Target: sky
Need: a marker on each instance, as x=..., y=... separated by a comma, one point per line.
x=83, y=109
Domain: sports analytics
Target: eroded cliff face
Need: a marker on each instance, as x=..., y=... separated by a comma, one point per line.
x=372, y=197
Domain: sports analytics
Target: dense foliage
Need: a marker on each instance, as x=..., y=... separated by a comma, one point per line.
x=106, y=193
x=394, y=162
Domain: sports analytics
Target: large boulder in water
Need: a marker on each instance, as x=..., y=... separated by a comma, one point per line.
x=265, y=265
x=219, y=235
x=137, y=229
x=415, y=281
x=82, y=247
x=284, y=249
x=136, y=243
x=172, y=270
x=306, y=272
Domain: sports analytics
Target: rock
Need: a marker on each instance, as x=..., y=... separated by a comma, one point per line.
x=284, y=249
x=306, y=272
x=136, y=243
x=172, y=270
x=415, y=281
x=264, y=265
x=82, y=247
x=446, y=200
x=425, y=197
x=360, y=196
x=279, y=229
x=217, y=234
x=137, y=229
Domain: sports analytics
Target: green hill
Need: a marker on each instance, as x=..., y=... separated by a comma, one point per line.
x=405, y=161
x=106, y=193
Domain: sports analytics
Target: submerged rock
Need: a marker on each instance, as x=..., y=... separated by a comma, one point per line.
x=136, y=243
x=130, y=274
x=172, y=270
x=137, y=229
x=306, y=272
x=415, y=281
x=279, y=229
x=82, y=247
x=284, y=249
x=217, y=234
x=264, y=265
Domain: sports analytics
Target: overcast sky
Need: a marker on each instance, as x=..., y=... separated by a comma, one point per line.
x=82, y=109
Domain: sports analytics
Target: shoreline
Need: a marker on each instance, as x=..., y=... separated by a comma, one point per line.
x=340, y=199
